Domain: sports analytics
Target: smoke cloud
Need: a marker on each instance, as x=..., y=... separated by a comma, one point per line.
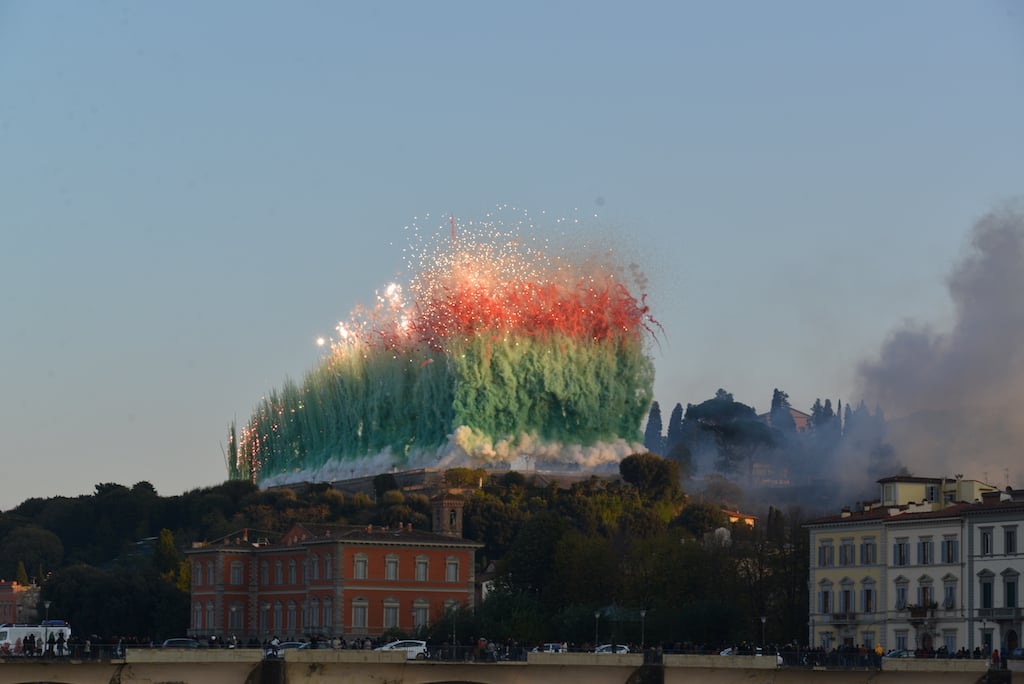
x=953, y=398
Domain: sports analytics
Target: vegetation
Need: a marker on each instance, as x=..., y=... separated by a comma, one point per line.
x=111, y=562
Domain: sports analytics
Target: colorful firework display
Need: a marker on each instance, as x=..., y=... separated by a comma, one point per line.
x=500, y=352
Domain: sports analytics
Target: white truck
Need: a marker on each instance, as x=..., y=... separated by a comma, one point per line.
x=13, y=637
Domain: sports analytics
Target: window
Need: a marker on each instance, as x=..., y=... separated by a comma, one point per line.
x=265, y=618
x=313, y=620
x=949, y=640
x=846, y=552
x=209, y=616
x=986, y=541
x=901, y=640
x=359, y=613
x=925, y=551
x=305, y=571
x=329, y=566
x=1010, y=539
x=451, y=570
x=925, y=596
x=360, y=567
x=422, y=569
x=236, y=617
x=901, y=595
x=867, y=598
x=316, y=567
x=867, y=639
x=197, y=616
x=278, y=573
x=985, y=579
x=390, y=614
x=826, y=554
x=292, y=578
x=825, y=598
x=931, y=492
x=198, y=573
x=264, y=573
x=211, y=578
x=278, y=615
x=949, y=595
x=950, y=550
x=391, y=568
x=1010, y=588
x=846, y=599
x=236, y=572
x=420, y=613
x=868, y=552
x=291, y=624
x=901, y=553
x=328, y=612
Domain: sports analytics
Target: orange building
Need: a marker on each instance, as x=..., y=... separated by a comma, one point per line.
x=333, y=580
x=18, y=602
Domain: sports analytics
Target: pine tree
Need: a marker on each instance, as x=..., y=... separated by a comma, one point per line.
x=676, y=435
x=653, y=441
x=21, y=575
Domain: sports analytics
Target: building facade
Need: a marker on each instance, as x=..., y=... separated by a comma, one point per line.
x=933, y=565
x=333, y=580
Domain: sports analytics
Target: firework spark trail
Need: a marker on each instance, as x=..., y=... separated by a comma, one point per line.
x=503, y=351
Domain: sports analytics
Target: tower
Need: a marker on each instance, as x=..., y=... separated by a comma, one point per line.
x=447, y=518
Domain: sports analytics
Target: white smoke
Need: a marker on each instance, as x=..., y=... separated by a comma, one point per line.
x=473, y=449
x=953, y=398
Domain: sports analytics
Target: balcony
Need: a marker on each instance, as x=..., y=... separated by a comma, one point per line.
x=999, y=613
x=844, y=618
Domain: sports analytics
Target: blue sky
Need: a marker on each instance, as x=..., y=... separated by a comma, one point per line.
x=191, y=192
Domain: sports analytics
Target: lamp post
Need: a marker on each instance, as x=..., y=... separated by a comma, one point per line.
x=763, y=620
x=46, y=627
x=643, y=629
x=597, y=615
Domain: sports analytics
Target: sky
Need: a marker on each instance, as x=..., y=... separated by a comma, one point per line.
x=191, y=193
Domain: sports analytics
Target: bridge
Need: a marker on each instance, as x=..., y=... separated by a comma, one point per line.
x=247, y=666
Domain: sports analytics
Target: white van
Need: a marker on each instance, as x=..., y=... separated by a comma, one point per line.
x=12, y=636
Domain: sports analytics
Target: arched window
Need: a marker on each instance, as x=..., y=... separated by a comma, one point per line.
x=313, y=620
x=197, y=615
x=292, y=576
x=328, y=566
x=316, y=567
x=278, y=616
x=278, y=573
x=328, y=610
x=264, y=573
x=210, y=624
x=292, y=619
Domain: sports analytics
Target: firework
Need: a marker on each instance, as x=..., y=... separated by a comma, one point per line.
x=499, y=349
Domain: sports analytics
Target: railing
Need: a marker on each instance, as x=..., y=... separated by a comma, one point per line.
x=999, y=613
x=843, y=618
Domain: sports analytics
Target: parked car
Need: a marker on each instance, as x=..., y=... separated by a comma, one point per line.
x=901, y=653
x=612, y=648
x=414, y=649
x=550, y=648
x=180, y=643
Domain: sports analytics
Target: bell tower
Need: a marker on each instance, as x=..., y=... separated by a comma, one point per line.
x=447, y=509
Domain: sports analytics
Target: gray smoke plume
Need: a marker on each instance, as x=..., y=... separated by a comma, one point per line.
x=954, y=399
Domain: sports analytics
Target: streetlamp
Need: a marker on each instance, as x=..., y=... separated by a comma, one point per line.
x=763, y=620
x=597, y=615
x=46, y=627
x=643, y=629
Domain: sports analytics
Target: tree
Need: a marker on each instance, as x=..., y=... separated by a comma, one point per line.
x=653, y=441
x=738, y=433
x=21, y=575
x=676, y=435
x=654, y=477
x=780, y=417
